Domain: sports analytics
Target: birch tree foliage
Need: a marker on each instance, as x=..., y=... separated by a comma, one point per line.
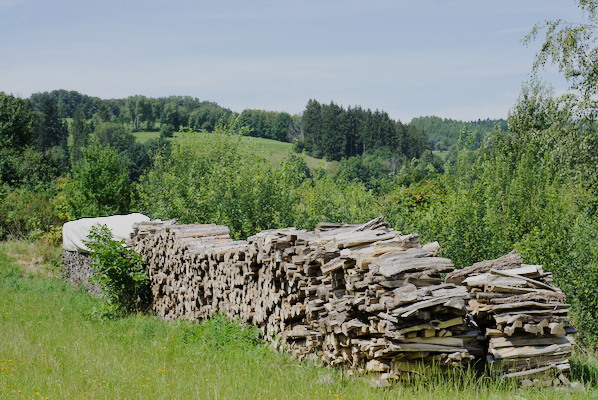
x=572, y=47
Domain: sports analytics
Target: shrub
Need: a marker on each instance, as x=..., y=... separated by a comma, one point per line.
x=99, y=186
x=213, y=178
x=327, y=199
x=25, y=213
x=120, y=273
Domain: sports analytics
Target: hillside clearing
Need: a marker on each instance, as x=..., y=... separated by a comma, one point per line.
x=143, y=137
x=272, y=150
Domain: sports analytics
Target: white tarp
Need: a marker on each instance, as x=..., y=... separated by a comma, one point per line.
x=75, y=232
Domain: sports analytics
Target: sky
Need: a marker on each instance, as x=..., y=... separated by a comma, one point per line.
x=459, y=59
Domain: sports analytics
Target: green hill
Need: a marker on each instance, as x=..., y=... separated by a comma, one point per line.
x=273, y=150
x=270, y=149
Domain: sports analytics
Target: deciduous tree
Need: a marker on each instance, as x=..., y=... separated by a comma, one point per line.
x=16, y=122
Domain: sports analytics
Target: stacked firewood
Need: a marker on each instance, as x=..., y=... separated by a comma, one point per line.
x=361, y=295
x=523, y=316
x=77, y=269
x=364, y=296
x=195, y=270
x=373, y=299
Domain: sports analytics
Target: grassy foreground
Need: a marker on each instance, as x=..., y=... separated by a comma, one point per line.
x=52, y=347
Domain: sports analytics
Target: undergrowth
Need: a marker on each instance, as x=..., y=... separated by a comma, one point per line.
x=120, y=274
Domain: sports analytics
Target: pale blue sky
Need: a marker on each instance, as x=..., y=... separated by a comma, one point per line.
x=460, y=59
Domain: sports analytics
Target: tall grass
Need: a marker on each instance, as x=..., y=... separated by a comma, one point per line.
x=51, y=347
x=34, y=257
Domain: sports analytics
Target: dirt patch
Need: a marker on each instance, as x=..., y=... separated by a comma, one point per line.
x=33, y=257
x=34, y=266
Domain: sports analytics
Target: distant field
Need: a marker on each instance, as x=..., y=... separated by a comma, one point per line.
x=275, y=151
x=143, y=137
x=270, y=149
x=441, y=153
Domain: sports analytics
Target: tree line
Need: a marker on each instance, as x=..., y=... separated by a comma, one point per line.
x=50, y=130
x=138, y=112
x=168, y=114
x=323, y=130
x=443, y=133
x=329, y=131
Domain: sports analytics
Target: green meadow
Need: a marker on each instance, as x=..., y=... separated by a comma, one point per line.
x=143, y=137
x=272, y=150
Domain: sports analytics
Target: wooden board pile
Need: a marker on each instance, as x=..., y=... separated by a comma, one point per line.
x=523, y=316
x=362, y=295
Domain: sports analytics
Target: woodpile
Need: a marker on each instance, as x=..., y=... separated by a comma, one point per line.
x=77, y=269
x=361, y=295
x=523, y=317
x=364, y=296
x=195, y=270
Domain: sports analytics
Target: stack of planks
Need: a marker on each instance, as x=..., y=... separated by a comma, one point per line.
x=364, y=296
x=523, y=316
x=360, y=295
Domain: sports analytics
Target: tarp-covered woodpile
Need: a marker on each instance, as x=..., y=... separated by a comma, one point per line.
x=523, y=316
x=76, y=262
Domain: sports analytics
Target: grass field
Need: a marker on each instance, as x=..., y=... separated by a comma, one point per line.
x=270, y=149
x=143, y=137
x=441, y=153
x=274, y=150
x=52, y=347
